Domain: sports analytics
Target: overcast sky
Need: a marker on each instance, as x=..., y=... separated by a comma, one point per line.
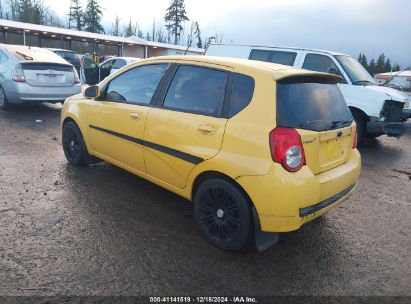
x=348, y=26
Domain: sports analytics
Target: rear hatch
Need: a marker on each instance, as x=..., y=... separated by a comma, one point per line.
x=47, y=74
x=315, y=107
x=44, y=68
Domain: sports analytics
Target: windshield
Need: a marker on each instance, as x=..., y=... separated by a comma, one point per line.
x=355, y=71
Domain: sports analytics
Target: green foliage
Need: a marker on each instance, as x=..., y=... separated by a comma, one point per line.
x=130, y=30
x=382, y=65
x=76, y=15
x=175, y=16
x=197, y=34
x=31, y=11
x=92, y=17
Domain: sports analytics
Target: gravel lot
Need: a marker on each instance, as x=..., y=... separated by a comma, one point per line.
x=102, y=231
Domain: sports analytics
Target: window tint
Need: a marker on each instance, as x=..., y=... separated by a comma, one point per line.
x=137, y=85
x=286, y=58
x=107, y=65
x=3, y=57
x=319, y=63
x=67, y=55
x=242, y=93
x=197, y=89
x=119, y=63
x=89, y=63
x=311, y=106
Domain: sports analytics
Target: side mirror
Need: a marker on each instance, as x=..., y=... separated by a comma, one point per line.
x=92, y=92
x=333, y=71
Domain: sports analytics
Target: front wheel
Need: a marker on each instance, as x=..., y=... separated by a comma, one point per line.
x=73, y=144
x=361, y=127
x=223, y=214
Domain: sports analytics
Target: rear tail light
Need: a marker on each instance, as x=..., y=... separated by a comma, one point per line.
x=18, y=74
x=287, y=149
x=354, y=143
x=76, y=78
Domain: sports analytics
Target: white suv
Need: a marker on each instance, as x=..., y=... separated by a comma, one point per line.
x=377, y=110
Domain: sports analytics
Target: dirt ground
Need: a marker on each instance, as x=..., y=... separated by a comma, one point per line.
x=102, y=231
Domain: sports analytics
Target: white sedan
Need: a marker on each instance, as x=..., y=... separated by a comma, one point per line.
x=92, y=73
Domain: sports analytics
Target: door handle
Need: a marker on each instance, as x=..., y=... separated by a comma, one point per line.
x=206, y=129
x=135, y=115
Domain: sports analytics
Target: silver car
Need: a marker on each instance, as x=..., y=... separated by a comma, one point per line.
x=32, y=74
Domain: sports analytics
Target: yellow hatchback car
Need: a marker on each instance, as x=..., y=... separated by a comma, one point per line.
x=259, y=148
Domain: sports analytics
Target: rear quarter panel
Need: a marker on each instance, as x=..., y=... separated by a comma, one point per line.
x=245, y=149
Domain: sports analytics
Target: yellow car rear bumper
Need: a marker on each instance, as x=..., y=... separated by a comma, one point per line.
x=285, y=201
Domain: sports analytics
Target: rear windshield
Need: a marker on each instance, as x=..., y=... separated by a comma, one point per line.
x=311, y=106
x=36, y=54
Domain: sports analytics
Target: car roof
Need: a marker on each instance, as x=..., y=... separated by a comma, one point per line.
x=279, y=71
x=60, y=50
x=282, y=47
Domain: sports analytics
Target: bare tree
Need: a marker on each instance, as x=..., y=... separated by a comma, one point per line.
x=115, y=28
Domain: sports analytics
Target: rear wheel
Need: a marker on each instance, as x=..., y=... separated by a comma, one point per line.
x=223, y=214
x=3, y=100
x=73, y=145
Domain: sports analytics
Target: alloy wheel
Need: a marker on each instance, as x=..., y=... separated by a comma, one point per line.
x=219, y=214
x=71, y=145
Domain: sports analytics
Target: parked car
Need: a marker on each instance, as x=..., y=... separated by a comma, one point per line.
x=32, y=74
x=259, y=148
x=69, y=56
x=92, y=73
x=377, y=110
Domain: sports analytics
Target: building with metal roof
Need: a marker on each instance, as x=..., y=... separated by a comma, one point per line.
x=13, y=32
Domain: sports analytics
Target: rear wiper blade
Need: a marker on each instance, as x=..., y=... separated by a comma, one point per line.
x=340, y=123
x=27, y=57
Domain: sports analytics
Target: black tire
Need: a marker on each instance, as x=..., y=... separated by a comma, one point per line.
x=361, y=127
x=73, y=145
x=4, y=105
x=223, y=214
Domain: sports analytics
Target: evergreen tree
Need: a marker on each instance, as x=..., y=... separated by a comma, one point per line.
x=76, y=15
x=129, y=30
x=364, y=61
x=387, y=65
x=396, y=68
x=175, y=16
x=371, y=67
x=92, y=17
x=148, y=36
x=31, y=11
x=197, y=33
x=379, y=67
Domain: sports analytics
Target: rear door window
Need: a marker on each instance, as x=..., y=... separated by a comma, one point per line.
x=242, y=93
x=286, y=58
x=310, y=105
x=197, y=90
